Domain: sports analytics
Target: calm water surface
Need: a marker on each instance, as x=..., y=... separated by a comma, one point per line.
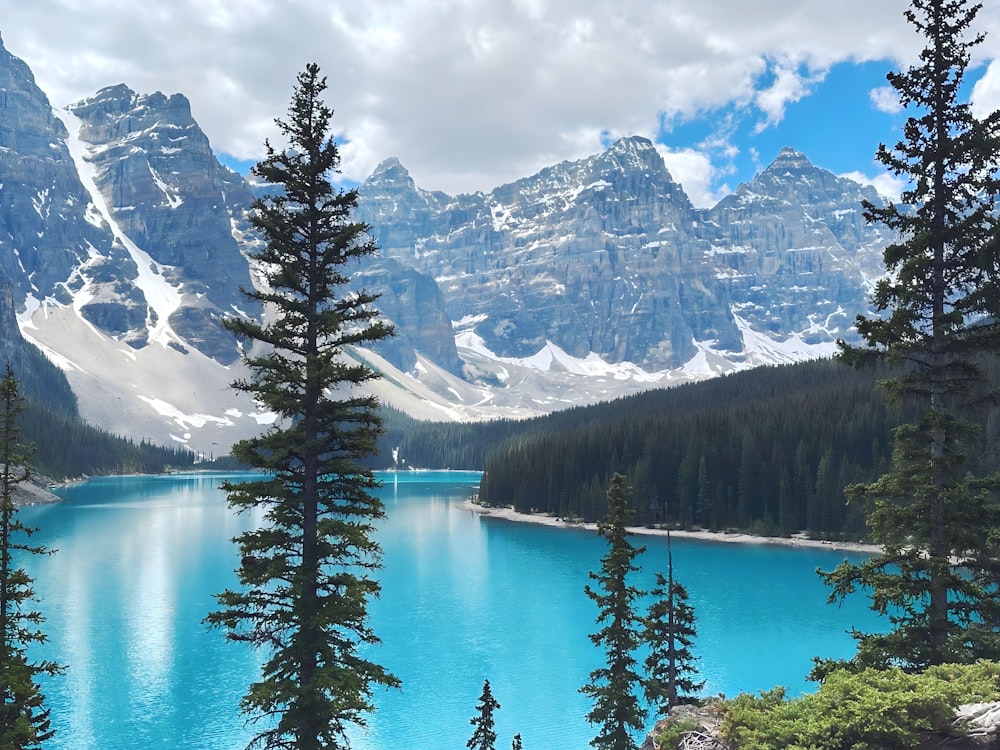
x=464, y=599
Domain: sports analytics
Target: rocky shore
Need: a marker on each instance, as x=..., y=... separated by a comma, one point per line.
x=509, y=514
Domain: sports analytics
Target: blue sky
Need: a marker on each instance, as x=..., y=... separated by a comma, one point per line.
x=836, y=125
x=470, y=95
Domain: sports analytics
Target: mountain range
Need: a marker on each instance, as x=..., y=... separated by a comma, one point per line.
x=123, y=241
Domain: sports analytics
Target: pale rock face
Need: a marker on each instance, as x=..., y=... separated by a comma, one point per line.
x=47, y=230
x=165, y=190
x=606, y=255
x=795, y=249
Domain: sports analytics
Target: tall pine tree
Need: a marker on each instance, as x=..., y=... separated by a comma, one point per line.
x=307, y=574
x=937, y=522
x=669, y=630
x=614, y=687
x=24, y=719
x=484, y=737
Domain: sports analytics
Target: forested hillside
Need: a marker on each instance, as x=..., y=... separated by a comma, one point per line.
x=66, y=447
x=769, y=450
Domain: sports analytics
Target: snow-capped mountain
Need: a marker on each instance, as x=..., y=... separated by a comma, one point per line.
x=123, y=241
x=606, y=257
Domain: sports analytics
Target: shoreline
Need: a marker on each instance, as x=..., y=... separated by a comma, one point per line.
x=509, y=514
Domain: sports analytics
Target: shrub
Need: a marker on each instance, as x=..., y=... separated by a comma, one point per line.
x=866, y=710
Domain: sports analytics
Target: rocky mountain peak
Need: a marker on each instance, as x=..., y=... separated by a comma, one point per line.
x=789, y=158
x=116, y=113
x=791, y=178
x=586, y=280
x=26, y=119
x=13, y=70
x=165, y=190
x=634, y=154
x=391, y=169
x=390, y=176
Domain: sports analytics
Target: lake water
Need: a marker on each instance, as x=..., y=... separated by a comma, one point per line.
x=464, y=598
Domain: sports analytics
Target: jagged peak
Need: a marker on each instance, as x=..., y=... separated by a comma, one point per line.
x=634, y=148
x=390, y=165
x=632, y=144
x=11, y=64
x=789, y=158
x=391, y=173
x=119, y=93
x=635, y=153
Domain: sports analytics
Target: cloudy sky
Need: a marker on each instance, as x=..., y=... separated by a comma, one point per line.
x=470, y=94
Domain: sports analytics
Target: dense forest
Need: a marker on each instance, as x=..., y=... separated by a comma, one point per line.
x=768, y=450
x=66, y=447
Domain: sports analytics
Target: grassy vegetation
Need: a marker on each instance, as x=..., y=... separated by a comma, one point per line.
x=865, y=710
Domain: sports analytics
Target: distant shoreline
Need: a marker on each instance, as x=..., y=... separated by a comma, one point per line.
x=509, y=514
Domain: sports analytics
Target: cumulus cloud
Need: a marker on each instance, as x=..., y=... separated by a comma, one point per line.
x=986, y=92
x=885, y=99
x=790, y=85
x=696, y=173
x=467, y=94
x=887, y=185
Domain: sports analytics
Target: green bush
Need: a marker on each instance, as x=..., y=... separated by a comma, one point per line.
x=673, y=731
x=866, y=710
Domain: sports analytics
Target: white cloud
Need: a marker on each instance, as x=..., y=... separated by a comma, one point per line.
x=986, y=93
x=695, y=172
x=789, y=86
x=886, y=184
x=467, y=94
x=885, y=99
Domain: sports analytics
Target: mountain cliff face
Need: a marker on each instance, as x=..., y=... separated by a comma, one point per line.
x=565, y=256
x=48, y=228
x=123, y=241
x=795, y=249
x=607, y=256
x=162, y=188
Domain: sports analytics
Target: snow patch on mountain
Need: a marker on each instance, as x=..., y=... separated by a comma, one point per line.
x=162, y=394
x=162, y=297
x=551, y=358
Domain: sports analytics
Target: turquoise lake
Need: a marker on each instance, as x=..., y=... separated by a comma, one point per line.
x=464, y=598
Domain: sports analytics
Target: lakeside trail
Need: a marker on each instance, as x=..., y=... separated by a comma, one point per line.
x=509, y=514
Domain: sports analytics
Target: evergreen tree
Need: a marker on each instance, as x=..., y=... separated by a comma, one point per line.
x=24, y=719
x=484, y=737
x=307, y=573
x=936, y=521
x=670, y=632
x=516, y=744
x=614, y=686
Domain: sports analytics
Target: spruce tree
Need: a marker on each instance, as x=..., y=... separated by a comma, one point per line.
x=516, y=743
x=484, y=737
x=614, y=687
x=24, y=720
x=940, y=319
x=669, y=630
x=307, y=573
